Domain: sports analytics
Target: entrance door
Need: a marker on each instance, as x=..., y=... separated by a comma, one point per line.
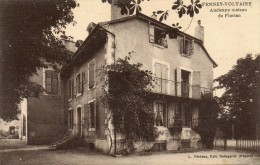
x=79, y=122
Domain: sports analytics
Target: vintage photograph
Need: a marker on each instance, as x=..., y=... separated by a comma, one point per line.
x=156, y=82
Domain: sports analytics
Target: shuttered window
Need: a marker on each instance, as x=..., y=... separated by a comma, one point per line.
x=186, y=46
x=91, y=75
x=78, y=84
x=51, y=81
x=161, y=73
x=92, y=115
x=157, y=36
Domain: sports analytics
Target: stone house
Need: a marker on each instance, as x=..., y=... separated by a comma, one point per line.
x=182, y=66
x=42, y=119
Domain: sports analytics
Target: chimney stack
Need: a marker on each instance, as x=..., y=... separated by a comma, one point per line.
x=116, y=11
x=199, y=31
x=90, y=27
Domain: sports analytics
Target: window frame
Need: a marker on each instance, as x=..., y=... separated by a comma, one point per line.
x=92, y=116
x=153, y=36
x=70, y=118
x=164, y=116
x=53, y=77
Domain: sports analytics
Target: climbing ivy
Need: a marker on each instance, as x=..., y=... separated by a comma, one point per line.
x=124, y=94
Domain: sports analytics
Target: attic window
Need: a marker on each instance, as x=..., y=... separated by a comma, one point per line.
x=157, y=36
x=186, y=46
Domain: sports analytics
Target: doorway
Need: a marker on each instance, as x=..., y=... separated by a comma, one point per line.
x=79, y=125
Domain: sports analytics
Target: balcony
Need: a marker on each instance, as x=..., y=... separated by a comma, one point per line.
x=179, y=89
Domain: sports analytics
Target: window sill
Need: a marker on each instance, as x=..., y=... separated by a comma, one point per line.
x=92, y=129
x=159, y=46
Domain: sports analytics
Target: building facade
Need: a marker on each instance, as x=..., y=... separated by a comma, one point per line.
x=42, y=119
x=181, y=65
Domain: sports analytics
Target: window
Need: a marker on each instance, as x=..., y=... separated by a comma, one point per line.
x=70, y=119
x=161, y=114
x=78, y=84
x=91, y=78
x=185, y=83
x=92, y=115
x=51, y=81
x=186, y=46
x=161, y=80
x=157, y=36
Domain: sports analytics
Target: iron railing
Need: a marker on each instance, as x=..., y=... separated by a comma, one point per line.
x=228, y=144
x=180, y=89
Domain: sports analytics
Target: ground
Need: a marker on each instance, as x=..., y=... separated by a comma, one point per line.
x=43, y=155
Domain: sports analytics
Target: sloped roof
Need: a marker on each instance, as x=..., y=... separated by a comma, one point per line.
x=145, y=18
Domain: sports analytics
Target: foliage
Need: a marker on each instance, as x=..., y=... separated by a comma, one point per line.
x=30, y=30
x=240, y=101
x=132, y=112
x=132, y=6
x=208, y=114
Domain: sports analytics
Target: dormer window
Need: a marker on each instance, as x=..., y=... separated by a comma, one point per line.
x=157, y=36
x=186, y=46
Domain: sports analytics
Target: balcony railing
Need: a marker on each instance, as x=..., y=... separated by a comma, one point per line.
x=180, y=89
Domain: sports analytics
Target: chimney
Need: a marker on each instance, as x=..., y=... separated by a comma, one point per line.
x=90, y=27
x=199, y=31
x=116, y=11
x=78, y=43
x=154, y=16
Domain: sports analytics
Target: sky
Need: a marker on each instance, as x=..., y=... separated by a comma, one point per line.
x=225, y=38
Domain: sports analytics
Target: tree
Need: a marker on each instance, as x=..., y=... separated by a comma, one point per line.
x=240, y=101
x=208, y=114
x=124, y=94
x=29, y=39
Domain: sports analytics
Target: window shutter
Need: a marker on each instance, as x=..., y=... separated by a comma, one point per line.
x=48, y=80
x=91, y=74
x=151, y=33
x=178, y=75
x=83, y=82
x=80, y=84
x=54, y=85
x=196, y=84
x=86, y=115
